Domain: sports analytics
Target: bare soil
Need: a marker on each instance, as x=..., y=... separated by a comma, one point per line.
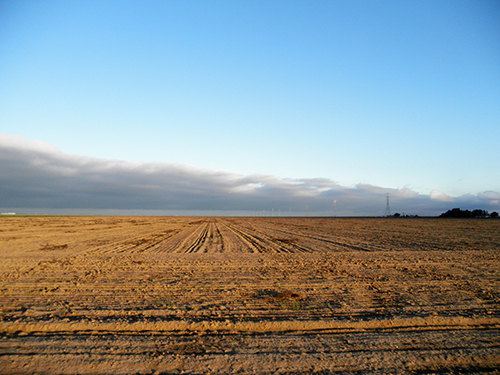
x=146, y=295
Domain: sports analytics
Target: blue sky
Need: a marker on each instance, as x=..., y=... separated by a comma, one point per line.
x=401, y=95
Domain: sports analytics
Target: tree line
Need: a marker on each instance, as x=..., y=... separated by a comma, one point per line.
x=457, y=212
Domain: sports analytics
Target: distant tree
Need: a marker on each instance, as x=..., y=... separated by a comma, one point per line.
x=494, y=215
x=458, y=213
x=397, y=214
x=480, y=213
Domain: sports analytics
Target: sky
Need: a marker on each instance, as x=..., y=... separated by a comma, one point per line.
x=249, y=106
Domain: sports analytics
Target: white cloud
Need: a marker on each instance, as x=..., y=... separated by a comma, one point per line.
x=492, y=196
x=16, y=142
x=35, y=174
x=437, y=195
x=489, y=195
x=393, y=193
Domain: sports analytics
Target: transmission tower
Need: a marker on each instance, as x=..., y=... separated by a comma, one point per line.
x=387, y=208
x=335, y=208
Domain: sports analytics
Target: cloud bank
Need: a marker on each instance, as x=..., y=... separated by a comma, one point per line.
x=36, y=176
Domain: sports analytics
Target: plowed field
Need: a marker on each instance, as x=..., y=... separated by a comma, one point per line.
x=116, y=295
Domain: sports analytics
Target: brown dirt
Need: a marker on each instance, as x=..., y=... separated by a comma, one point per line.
x=120, y=295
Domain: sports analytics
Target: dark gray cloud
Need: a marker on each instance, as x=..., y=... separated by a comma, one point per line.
x=37, y=176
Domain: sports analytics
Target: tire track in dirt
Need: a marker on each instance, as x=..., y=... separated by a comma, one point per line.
x=198, y=243
x=223, y=242
x=322, y=240
x=236, y=242
x=209, y=241
x=201, y=237
x=353, y=343
x=136, y=244
x=182, y=240
x=266, y=244
x=252, y=242
x=99, y=255
x=214, y=236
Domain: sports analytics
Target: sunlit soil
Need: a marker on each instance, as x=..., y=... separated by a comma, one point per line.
x=145, y=295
